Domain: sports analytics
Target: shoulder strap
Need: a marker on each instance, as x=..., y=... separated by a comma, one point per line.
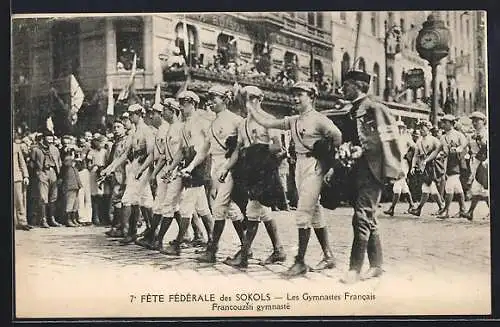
x=215, y=137
x=299, y=138
x=246, y=131
x=184, y=135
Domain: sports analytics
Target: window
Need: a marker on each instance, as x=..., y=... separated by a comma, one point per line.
x=441, y=94
x=343, y=16
x=345, y=65
x=456, y=53
x=129, y=43
x=317, y=68
x=376, y=79
x=467, y=29
x=374, y=24
x=226, y=49
x=291, y=65
x=465, y=100
x=262, y=58
x=319, y=19
x=447, y=19
x=390, y=18
x=402, y=25
x=310, y=18
x=66, y=49
x=390, y=79
x=361, y=64
x=190, y=54
x=470, y=102
x=358, y=16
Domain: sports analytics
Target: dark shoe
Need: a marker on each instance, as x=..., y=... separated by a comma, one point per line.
x=207, y=257
x=351, y=277
x=52, y=222
x=110, y=232
x=157, y=245
x=172, y=249
x=276, y=256
x=117, y=233
x=197, y=243
x=373, y=272
x=460, y=214
x=416, y=212
x=239, y=261
x=326, y=263
x=69, y=223
x=238, y=254
x=23, y=227
x=468, y=215
x=444, y=215
x=84, y=223
x=43, y=223
x=143, y=241
x=297, y=269
x=389, y=212
x=128, y=240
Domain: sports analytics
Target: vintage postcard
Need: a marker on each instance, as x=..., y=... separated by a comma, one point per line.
x=256, y=164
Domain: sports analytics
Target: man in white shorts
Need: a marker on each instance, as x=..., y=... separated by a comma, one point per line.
x=400, y=187
x=224, y=126
x=193, y=151
x=137, y=191
x=307, y=128
x=452, y=145
x=426, y=150
x=479, y=156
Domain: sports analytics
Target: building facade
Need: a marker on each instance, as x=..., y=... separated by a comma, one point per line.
x=317, y=46
x=387, y=50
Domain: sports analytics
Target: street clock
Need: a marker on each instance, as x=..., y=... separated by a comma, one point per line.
x=432, y=40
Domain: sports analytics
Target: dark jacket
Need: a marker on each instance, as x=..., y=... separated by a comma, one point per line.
x=256, y=177
x=70, y=178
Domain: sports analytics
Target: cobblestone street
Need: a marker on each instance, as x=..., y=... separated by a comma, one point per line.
x=432, y=266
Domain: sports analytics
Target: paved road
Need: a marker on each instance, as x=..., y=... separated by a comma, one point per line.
x=432, y=266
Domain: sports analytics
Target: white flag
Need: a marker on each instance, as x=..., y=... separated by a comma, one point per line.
x=77, y=95
x=125, y=92
x=111, y=101
x=185, y=37
x=50, y=124
x=158, y=94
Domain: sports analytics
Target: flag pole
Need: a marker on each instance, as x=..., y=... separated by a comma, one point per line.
x=356, y=44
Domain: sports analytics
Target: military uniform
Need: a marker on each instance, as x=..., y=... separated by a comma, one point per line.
x=47, y=165
x=372, y=127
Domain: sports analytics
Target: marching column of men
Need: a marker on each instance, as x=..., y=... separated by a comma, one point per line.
x=186, y=165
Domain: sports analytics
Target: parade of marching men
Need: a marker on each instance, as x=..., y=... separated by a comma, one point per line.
x=213, y=124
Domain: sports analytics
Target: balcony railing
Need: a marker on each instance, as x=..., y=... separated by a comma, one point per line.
x=275, y=94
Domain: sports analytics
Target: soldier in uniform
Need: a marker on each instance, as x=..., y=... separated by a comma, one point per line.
x=47, y=165
x=372, y=127
x=478, y=145
x=452, y=145
x=224, y=127
x=401, y=186
x=193, y=150
x=137, y=190
x=307, y=128
x=251, y=133
x=118, y=178
x=425, y=157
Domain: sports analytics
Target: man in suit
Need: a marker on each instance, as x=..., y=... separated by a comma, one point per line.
x=372, y=127
x=47, y=165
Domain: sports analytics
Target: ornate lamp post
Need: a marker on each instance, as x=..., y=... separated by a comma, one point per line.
x=432, y=45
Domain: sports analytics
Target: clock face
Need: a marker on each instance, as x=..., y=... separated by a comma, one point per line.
x=429, y=40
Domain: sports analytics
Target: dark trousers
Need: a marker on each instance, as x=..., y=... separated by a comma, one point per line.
x=365, y=201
